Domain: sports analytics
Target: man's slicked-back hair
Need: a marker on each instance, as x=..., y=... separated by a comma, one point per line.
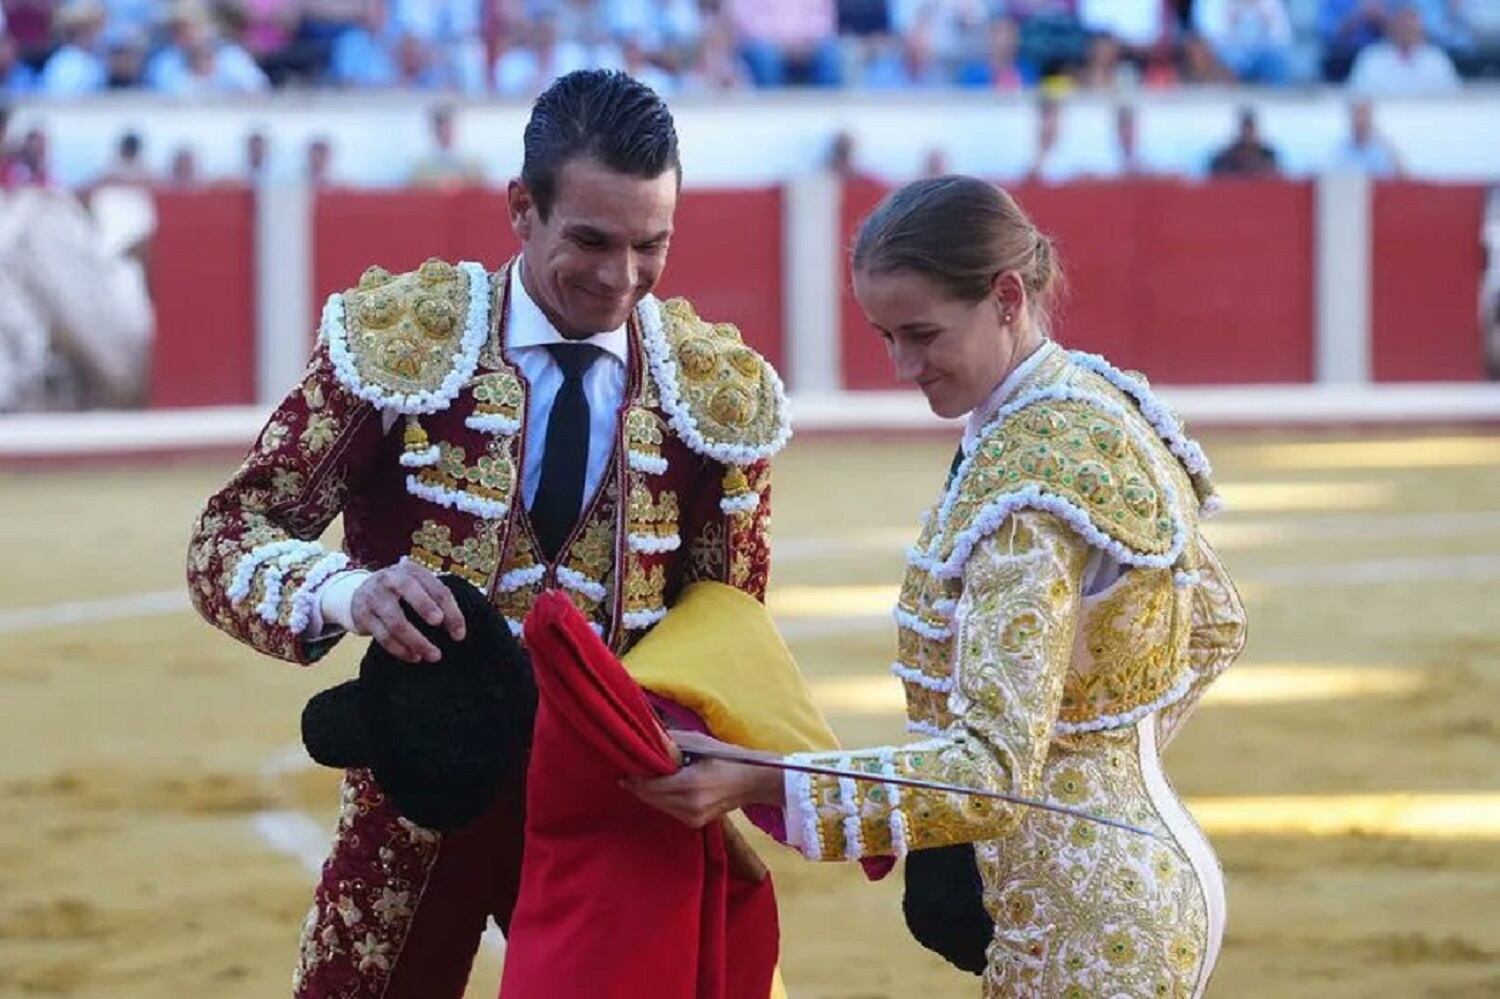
x=602, y=114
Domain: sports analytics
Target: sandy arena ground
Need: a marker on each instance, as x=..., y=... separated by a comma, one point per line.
x=156, y=827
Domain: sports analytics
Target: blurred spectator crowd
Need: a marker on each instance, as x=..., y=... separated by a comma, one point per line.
x=515, y=47
x=25, y=162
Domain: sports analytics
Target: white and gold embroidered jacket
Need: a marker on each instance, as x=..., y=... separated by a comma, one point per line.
x=1005, y=659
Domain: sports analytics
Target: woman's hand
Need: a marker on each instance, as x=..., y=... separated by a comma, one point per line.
x=709, y=789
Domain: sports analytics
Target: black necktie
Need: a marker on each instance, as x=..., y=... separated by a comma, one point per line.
x=565, y=455
x=958, y=459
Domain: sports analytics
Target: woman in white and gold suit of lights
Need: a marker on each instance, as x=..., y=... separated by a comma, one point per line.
x=1060, y=618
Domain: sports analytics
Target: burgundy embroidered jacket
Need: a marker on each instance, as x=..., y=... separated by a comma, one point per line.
x=409, y=422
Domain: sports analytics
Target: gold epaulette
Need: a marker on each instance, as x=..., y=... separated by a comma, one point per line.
x=723, y=399
x=408, y=342
x=1078, y=457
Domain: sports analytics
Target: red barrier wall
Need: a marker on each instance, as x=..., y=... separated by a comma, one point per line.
x=1191, y=283
x=202, y=278
x=1426, y=267
x=726, y=249
x=862, y=356
x=727, y=259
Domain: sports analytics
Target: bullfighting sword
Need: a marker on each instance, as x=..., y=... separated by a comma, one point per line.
x=754, y=759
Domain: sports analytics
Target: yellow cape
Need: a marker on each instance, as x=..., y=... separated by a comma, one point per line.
x=718, y=653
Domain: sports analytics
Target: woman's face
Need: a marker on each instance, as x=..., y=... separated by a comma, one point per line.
x=956, y=352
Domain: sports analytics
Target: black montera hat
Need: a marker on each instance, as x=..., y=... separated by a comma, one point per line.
x=944, y=905
x=440, y=738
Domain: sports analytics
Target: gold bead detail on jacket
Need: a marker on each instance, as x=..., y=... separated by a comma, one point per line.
x=697, y=357
x=414, y=437
x=380, y=310
x=745, y=361
x=436, y=316
x=436, y=271
x=733, y=406
x=373, y=277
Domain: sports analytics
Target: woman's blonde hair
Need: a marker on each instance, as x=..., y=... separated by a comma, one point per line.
x=960, y=232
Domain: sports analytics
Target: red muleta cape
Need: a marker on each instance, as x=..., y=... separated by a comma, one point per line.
x=618, y=900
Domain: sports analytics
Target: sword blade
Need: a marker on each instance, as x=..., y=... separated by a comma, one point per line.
x=916, y=783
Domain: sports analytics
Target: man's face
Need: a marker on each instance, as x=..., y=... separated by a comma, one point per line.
x=1361, y=122
x=190, y=34
x=443, y=131
x=602, y=247
x=1406, y=27
x=374, y=17
x=1048, y=127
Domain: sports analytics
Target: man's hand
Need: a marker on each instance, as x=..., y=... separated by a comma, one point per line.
x=376, y=610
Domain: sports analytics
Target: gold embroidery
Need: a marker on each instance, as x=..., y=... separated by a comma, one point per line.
x=436, y=317
x=492, y=477
x=924, y=704
x=593, y=554
x=404, y=331
x=645, y=588
x=1144, y=933
x=450, y=464
x=321, y=430
x=515, y=603
x=1031, y=650
x=735, y=485
x=477, y=558
x=666, y=515
x=414, y=438
x=312, y=395
x=272, y=438
x=435, y=271
x=373, y=277
x=474, y=559
x=1215, y=640
x=285, y=484
x=499, y=394
x=1131, y=646
x=1075, y=451
x=648, y=518
x=431, y=544
x=644, y=432
x=729, y=390
x=1150, y=928
x=741, y=567
x=706, y=553
x=492, y=354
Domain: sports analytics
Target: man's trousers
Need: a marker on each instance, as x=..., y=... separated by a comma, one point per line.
x=399, y=910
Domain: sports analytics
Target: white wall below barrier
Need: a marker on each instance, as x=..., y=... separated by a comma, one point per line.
x=101, y=434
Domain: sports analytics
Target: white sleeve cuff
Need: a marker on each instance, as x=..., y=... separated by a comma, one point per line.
x=332, y=610
x=801, y=815
x=795, y=812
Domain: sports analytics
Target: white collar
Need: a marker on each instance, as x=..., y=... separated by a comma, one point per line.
x=985, y=411
x=528, y=326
